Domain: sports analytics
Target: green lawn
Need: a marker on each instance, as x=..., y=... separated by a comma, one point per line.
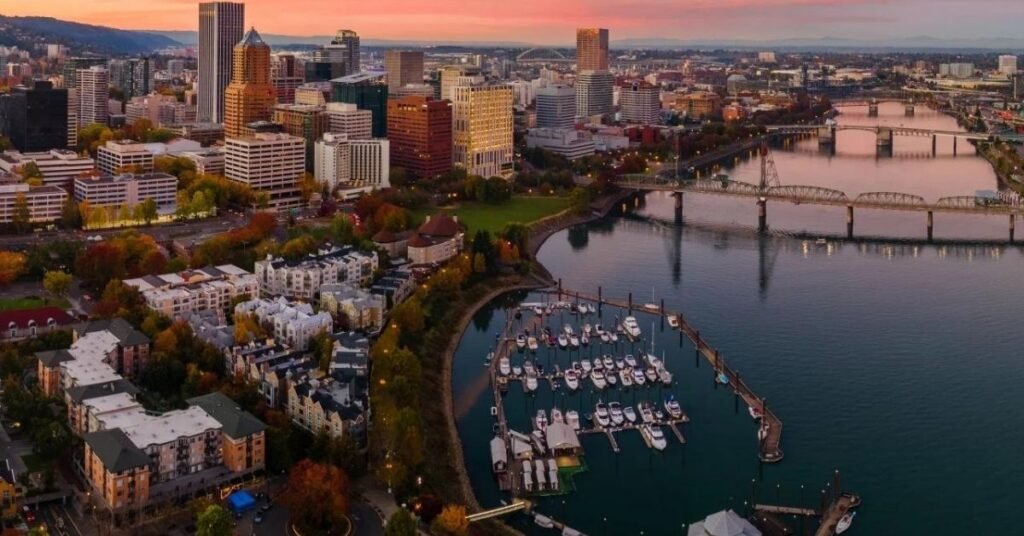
x=30, y=302
x=493, y=218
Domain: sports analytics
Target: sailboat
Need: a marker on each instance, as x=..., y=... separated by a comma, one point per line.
x=844, y=523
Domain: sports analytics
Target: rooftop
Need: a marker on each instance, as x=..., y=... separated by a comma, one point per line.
x=145, y=430
x=236, y=422
x=115, y=450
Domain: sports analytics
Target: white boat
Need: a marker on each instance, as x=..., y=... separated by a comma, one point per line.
x=620, y=364
x=576, y=367
x=598, y=378
x=630, y=361
x=673, y=321
x=638, y=377
x=762, y=432
x=673, y=408
x=528, y=475
x=585, y=340
x=528, y=367
x=521, y=342
x=844, y=522
x=652, y=307
x=646, y=415
x=609, y=363
x=613, y=338
x=556, y=415
x=606, y=337
x=586, y=366
x=630, y=414
x=601, y=417
x=538, y=310
x=531, y=383
x=653, y=360
x=543, y=521
x=563, y=341
x=547, y=311
x=597, y=364
x=574, y=341
x=615, y=411
x=572, y=418
x=612, y=377
x=654, y=436
x=517, y=370
x=627, y=377
x=503, y=366
x=541, y=420
x=531, y=343
x=572, y=381
x=587, y=329
x=631, y=327
x=755, y=413
x=652, y=375
x=599, y=329
x=665, y=376
x=567, y=329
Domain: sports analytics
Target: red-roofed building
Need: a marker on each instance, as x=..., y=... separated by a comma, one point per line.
x=437, y=240
x=23, y=323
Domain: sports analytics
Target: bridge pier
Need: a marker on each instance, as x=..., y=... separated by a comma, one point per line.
x=679, y=207
x=909, y=110
x=954, y=145
x=934, y=138
x=1013, y=224
x=883, y=141
x=827, y=136
x=873, y=109
x=762, y=214
x=849, y=222
x=931, y=225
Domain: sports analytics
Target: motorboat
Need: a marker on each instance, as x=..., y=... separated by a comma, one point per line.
x=563, y=341
x=609, y=363
x=613, y=338
x=652, y=375
x=646, y=415
x=601, y=417
x=517, y=370
x=567, y=329
x=673, y=321
x=664, y=375
x=631, y=328
x=653, y=360
x=620, y=364
x=531, y=343
x=659, y=415
x=844, y=522
x=572, y=380
x=574, y=341
x=586, y=366
x=627, y=377
x=606, y=337
x=615, y=411
x=576, y=367
x=673, y=408
x=722, y=378
x=630, y=414
x=521, y=342
x=539, y=444
x=572, y=418
x=541, y=420
x=585, y=340
x=654, y=436
x=587, y=329
x=650, y=306
x=598, y=364
x=503, y=366
x=755, y=413
x=638, y=377
x=531, y=383
x=598, y=378
x=573, y=308
x=556, y=415
x=599, y=330
x=612, y=377
x=528, y=367
x=630, y=361
x=762, y=432
x=538, y=310
x=547, y=311
x=543, y=521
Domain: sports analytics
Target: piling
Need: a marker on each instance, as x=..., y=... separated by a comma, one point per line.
x=931, y=225
x=1013, y=223
x=849, y=222
x=762, y=215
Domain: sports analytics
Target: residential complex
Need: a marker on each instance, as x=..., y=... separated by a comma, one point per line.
x=177, y=295
x=420, y=132
x=220, y=29
x=291, y=323
x=359, y=308
x=302, y=279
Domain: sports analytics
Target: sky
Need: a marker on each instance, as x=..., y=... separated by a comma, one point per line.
x=553, y=21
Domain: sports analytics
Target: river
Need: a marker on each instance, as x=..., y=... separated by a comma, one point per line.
x=898, y=365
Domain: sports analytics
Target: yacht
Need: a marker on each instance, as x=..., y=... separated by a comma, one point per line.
x=631, y=328
x=722, y=378
x=585, y=340
x=620, y=364
x=521, y=342
x=587, y=329
x=572, y=418
x=586, y=366
x=612, y=377
x=517, y=370
x=653, y=307
x=598, y=378
x=601, y=417
x=543, y=522
x=598, y=364
x=609, y=363
x=599, y=329
x=630, y=414
x=655, y=436
x=606, y=337
x=673, y=408
x=627, y=377
x=762, y=432
x=541, y=420
x=613, y=338
x=638, y=377
x=572, y=381
x=538, y=310
x=503, y=366
x=646, y=415
x=673, y=321
x=531, y=343
x=531, y=383
x=652, y=375
x=574, y=341
x=576, y=367
x=653, y=360
x=547, y=311
x=630, y=361
x=665, y=376
x=556, y=415
x=528, y=367
x=563, y=341
x=844, y=522
x=755, y=413
x=568, y=330
x=615, y=410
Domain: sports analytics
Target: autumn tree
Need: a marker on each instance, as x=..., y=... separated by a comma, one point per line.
x=214, y=521
x=12, y=265
x=317, y=495
x=148, y=210
x=57, y=283
x=21, y=217
x=451, y=522
x=247, y=329
x=401, y=523
x=70, y=216
x=30, y=171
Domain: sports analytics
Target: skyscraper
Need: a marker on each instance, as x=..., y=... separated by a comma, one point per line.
x=286, y=76
x=250, y=96
x=368, y=92
x=72, y=65
x=482, y=126
x=35, y=118
x=556, y=107
x=131, y=76
x=93, y=90
x=420, y=130
x=220, y=28
x=591, y=49
x=1008, y=64
x=304, y=121
x=350, y=40
x=404, y=67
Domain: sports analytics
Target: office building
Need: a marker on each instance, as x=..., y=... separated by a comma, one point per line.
x=556, y=107
x=73, y=65
x=250, y=97
x=348, y=43
x=35, y=118
x=220, y=29
x=415, y=90
x=304, y=121
x=591, y=49
x=352, y=167
x=129, y=189
x=450, y=75
x=120, y=156
x=72, y=117
x=368, y=92
x=286, y=75
x=270, y=163
x=302, y=278
x=93, y=89
x=213, y=288
x=59, y=167
x=338, y=58
x=147, y=107
x=348, y=119
x=640, y=103
x=569, y=143
x=404, y=67
x=594, y=94
x=207, y=161
x=132, y=76
x=420, y=131
x=1008, y=64
x=332, y=160
x=44, y=202
x=482, y=127
x=205, y=133
x=956, y=70
x=315, y=93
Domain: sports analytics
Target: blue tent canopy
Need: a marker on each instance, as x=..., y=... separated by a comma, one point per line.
x=240, y=501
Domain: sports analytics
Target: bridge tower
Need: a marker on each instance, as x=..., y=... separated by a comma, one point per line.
x=883, y=140
x=769, y=179
x=873, y=108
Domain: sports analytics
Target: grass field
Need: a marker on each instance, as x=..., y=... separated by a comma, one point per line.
x=31, y=302
x=493, y=218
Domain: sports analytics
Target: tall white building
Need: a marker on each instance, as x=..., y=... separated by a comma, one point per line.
x=1008, y=64
x=220, y=29
x=93, y=90
x=640, y=103
x=270, y=163
x=348, y=119
x=117, y=155
x=352, y=166
x=594, y=91
x=332, y=161
x=370, y=163
x=482, y=126
x=556, y=107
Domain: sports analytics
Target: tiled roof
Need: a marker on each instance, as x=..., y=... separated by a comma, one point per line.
x=41, y=316
x=440, y=225
x=115, y=450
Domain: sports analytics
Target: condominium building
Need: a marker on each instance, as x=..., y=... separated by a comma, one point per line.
x=270, y=163
x=35, y=118
x=591, y=49
x=556, y=107
x=326, y=405
x=220, y=29
x=304, y=121
x=93, y=88
x=292, y=323
x=640, y=103
x=368, y=92
x=58, y=167
x=44, y=202
x=302, y=279
x=113, y=342
x=348, y=119
x=119, y=156
x=404, y=67
x=569, y=143
x=482, y=127
x=594, y=94
x=73, y=65
x=360, y=309
x=250, y=96
x=129, y=189
x=420, y=131
x=177, y=295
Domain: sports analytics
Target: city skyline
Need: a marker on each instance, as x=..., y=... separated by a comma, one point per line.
x=554, y=24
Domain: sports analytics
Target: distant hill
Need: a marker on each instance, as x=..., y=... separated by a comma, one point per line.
x=26, y=32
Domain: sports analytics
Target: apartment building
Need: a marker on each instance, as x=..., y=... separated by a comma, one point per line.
x=361, y=309
x=177, y=295
x=292, y=323
x=302, y=279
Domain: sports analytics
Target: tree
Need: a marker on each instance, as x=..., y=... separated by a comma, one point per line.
x=21, y=218
x=57, y=283
x=12, y=265
x=214, y=521
x=149, y=213
x=451, y=522
x=307, y=186
x=579, y=200
x=30, y=171
x=50, y=440
x=70, y=217
x=401, y=523
x=317, y=495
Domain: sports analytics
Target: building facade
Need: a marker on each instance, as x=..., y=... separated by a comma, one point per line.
x=403, y=67
x=213, y=288
x=368, y=92
x=59, y=167
x=556, y=107
x=44, y=202
x=303, y=121
x=420, y=132
x=129, y=189
x=292, y=323
x=220, y=29
x=270, y=163
x=250, y=96
x=120, y=156
x=93, y=90
x=591, y=49
x=594, y=94
x=482, y=127
x=134, y=76
x=35, y=118
x=301, y=279
x=640, y=103
x=348, y=119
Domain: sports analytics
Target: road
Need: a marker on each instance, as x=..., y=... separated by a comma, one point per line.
x=192, y=230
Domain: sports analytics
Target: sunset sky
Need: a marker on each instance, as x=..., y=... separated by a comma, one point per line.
x=553, y=21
